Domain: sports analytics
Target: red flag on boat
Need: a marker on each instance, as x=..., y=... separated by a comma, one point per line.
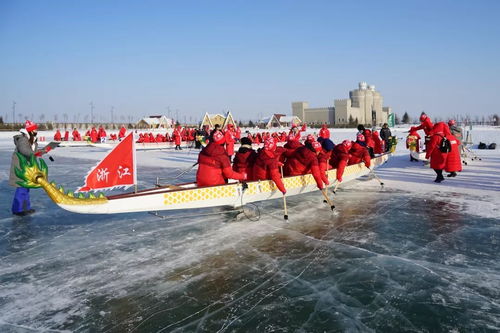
x=116, y=169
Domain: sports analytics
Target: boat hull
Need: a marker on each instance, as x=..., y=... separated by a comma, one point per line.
x=190, y=196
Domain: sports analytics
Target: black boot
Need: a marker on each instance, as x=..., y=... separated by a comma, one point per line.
x=439, y=177
x=453, y=174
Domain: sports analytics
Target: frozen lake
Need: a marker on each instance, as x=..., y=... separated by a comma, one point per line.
x=413, y=255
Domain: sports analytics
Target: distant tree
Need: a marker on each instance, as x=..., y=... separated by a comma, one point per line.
x=240, y=123
x=396, y=119
x=351, y=121
x=251, y=124
x=356, y=121
x=1, y=120
x=406, y=118
x=496, y=120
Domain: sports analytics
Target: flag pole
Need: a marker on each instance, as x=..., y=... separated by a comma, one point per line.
x=135, y=162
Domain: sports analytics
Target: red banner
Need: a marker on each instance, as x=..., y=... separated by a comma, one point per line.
x=116, y=169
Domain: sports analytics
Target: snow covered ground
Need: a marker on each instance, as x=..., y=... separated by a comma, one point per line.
x=413, y=254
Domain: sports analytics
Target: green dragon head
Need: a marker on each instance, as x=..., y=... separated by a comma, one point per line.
x=30, y=170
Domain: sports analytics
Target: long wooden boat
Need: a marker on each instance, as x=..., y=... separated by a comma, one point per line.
x=182, y=196
x=418, y=155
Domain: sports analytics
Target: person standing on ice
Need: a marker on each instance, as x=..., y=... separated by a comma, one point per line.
x=453, y=161
x=440, y=131
x=340, y=158
x=305, y=160
x=245, y=158
x=267, y=165
x=229, y=136
x=214, y=167
x=385, y=135
x=177, y=135
x=427, y=126
x=456, y=131
x=27, y=145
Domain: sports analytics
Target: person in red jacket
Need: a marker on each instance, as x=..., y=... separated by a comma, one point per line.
x=76, y=135
x=378, y=147
x=340, y=157
x=290, y=146
x=66, y=135
x=177, y=136
x=122, y=132
x=324, y=132
x=102, y=134
x=437, y=157
x=305, y=160
x=93, y=135
x=427, y=126
x=230, y=136
x=324, y=156
x=370, y=144
x=453, y=161
x=267, y=166
x=359, y=152
x=214, y=167
x=57, y=136
x=245, y=158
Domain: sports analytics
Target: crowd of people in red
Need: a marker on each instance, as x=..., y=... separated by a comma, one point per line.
x=441, y=146
x=271, y=162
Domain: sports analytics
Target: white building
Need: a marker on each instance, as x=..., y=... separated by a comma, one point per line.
x=363, y=106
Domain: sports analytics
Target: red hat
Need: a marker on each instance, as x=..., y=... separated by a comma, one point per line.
x=270, y=144
x=310, y=137
x=451, y=122
x=423, y=116
x=360, y=137
x=316, y=145
x=219, y=137
x=294, y=125
x=347, y=144
x=30, y=126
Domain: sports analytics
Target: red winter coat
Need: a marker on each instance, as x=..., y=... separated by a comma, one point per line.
x=426, y=125
x=359, y=154
x=304, y=161
x=377, y=148
x=244, y=160
x=66, y=136
x=57, y=136
x=122, y=132
x=266, y=166
x=453, y=161
x=177, y=136
x=324, y=163
x=102, y=133
x=437, y=157
x=339, y=160
x=214, y=167
x=229, y=138
x=368, y=138
x=290, y=148
x=93, y=135
x=76, y=135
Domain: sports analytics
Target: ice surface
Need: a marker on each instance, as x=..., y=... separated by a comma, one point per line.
x=414, y=255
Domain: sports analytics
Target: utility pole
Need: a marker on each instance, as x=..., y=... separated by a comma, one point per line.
x=13, y=113
x=112, y=119
x=92, y=112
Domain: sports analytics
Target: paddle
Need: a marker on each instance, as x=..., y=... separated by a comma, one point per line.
x=325, y=194
x=377, y=178
x=285, y=216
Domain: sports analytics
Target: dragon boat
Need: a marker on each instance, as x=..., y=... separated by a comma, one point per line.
x=34, y=174
x=420, y=156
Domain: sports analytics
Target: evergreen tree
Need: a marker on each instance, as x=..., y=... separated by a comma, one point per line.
x=1, y=120
x=496, y=120
x=406, y=118
x=251, y=124
x=351, y=121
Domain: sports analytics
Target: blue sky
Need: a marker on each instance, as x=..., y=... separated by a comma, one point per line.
x=249, y=57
